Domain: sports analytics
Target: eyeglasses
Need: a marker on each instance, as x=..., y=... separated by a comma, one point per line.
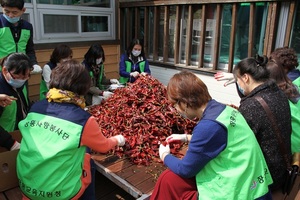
x=19, y=76
x=176, y=104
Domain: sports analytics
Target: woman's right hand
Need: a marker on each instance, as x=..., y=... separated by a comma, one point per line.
x=121, y=140
x=6, y=100
x=134, y=74
x=177, y=138
x=221, y=76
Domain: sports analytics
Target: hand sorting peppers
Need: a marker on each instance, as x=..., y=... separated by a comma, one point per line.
x=141, y=113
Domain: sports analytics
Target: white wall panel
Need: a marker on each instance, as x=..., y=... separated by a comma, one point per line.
x=227, y=95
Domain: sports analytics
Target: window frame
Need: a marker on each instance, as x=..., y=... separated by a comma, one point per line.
x=36, y=12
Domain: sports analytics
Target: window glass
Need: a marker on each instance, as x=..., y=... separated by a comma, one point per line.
x=94, y=23
x=25, y=16
x=242, y=35
x=183, y=26
x=142, y=22
x=261, y=11
x=172, y=21
x=161, y=11
x=242, y=31
x=225, y=36
x=209, y=35
x=92, y=3
x=295, y=39
x=197, y=13
x=60, y=23
x=150, y=28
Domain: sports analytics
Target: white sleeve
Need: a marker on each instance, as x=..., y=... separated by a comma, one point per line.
x=47, y=74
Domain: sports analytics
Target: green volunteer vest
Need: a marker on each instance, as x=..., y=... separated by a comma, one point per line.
x=100, y=77
x=43, y=89
x=128, y=69
x=297, y=82
x=56, y=142
x=9, y=46
x=233, y=169
x=8, y=118
x=295, y=116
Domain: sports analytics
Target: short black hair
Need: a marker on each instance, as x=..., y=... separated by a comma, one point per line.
x=60, y=52
x=72, y=76
x=17, y=62
x=95, y=51
x=13, y=3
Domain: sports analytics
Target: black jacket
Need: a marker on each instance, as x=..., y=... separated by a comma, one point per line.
x=259, y=122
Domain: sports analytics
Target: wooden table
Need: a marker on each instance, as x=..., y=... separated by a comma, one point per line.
x=137, y=180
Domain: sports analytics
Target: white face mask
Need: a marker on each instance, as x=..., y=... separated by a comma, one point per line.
x=16, y=83
x=98, y=61
x=12, y=20
x=136, y=53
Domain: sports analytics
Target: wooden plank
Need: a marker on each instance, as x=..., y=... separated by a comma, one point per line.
x=13, y=194
x=189, y=34
x=43, y=55
x=131, y=170
x=118, y=181
x=232, y=37
x=125, y=4
x=272, y=31
x=137, y=180
x=202, y=37
x=136, y=22
x=34, y=79
x=251, y=30
x=111, y=59
x=34, y=90
x=155, y=30
x=139, y=176
x=290, y=23
x=111, y=49
x=166, y=34
x=2, y=197
x=217, y=36
x=177, y=36
x=146, y=31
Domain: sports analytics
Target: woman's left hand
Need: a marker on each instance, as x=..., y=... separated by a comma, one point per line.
x=163, y=151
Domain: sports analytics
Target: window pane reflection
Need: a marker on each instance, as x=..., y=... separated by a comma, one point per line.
x=197, y=13
x=94, y=23
x=295, y=40
x=183, y=27
x=92, y=3
x=209, y=35
x=242, y=35
x=172, y=21
x=60, y=24
x=225, y=36
x=150, y=28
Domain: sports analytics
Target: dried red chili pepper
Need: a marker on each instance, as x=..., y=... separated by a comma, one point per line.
x=143, y=115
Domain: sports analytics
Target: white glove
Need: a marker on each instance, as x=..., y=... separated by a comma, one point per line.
x=177, y=138
x=96, y=99
x=163, y=151
x=134, y=74
x=221, y=76
x=144, y=74
x=114, y=81
x=121, y=140
x=36, y=69
x=107, y=94
x=15, y=146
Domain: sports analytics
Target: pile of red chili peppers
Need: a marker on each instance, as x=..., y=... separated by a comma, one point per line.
x=141, y=113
